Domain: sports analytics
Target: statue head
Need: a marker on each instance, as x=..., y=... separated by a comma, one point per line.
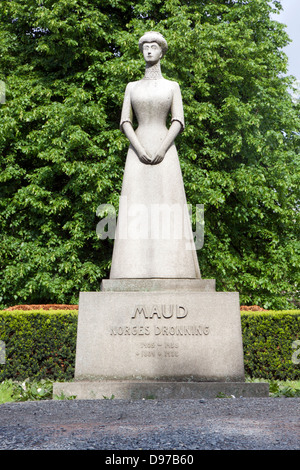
x=153, y=37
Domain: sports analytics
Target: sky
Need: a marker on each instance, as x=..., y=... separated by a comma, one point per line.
x=290, y=16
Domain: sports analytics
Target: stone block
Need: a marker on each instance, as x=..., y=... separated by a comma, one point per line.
x=159, y=336
x=165, y=285
x=137, y=390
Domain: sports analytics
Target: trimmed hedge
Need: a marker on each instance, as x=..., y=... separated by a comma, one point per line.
x=38, y=344
x=42, y=344
x=267, y=339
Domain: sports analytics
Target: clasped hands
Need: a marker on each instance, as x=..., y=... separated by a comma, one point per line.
x=147, y=160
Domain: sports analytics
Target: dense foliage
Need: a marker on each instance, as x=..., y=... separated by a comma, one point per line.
x=271, y=344
x=41, y=344
x=38, y=344
x=65, y=64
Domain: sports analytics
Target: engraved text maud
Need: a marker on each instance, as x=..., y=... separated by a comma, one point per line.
x=160, y=311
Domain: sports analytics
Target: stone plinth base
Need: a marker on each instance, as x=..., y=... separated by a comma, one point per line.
x=158, y=285
x=130, y=390
x=159, y=336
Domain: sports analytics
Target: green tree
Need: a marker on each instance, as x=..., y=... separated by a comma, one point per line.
x=65, y=64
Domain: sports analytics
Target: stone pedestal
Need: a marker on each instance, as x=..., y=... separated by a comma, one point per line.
x=139, y=390
x=159, y=338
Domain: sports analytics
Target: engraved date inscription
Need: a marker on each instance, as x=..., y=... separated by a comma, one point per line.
x=158, y=350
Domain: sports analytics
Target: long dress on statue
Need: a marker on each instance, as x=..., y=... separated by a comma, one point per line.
x=154, y=235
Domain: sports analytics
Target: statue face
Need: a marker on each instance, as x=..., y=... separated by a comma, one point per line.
x=152, y=52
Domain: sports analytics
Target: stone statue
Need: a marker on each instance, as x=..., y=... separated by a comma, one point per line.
x=154, y=236
x=155, y=295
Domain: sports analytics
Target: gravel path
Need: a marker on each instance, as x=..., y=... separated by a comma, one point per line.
x=222, y=423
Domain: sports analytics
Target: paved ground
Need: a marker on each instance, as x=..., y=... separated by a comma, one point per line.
x=182, y=425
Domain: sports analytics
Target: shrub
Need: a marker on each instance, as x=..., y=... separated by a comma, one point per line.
x=38, y=344
x=268, y=338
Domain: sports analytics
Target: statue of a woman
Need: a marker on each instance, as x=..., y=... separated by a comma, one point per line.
x=154, y=236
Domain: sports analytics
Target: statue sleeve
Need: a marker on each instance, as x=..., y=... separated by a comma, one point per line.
x=177, y=107
x=127, y=114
